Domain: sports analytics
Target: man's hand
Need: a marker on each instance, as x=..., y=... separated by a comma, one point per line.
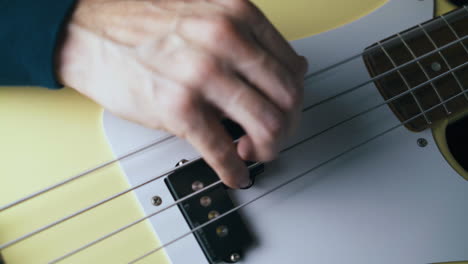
x=183, y=66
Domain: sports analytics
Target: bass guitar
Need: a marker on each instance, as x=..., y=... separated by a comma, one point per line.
x=377, y=172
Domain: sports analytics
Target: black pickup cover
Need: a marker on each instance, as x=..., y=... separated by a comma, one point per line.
x=216, y=248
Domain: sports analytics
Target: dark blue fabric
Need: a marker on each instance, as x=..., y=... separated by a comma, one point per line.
x=29, y=31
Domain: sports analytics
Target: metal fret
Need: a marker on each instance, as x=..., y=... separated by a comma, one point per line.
x=406, y=83
x=454, y=32
x=445, y=60
x=269, y=191
x=425, y=73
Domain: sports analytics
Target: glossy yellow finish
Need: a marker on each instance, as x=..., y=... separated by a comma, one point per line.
x=302, y=18
x=443, y=6
x=48, y=136
x=438, y=131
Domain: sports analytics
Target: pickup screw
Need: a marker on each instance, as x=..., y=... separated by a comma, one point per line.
x=197, y=185
x=222, y=231
x=213, y=214
x=156, y=200
x=235, y=257
x=205, y=201
x=422, y=142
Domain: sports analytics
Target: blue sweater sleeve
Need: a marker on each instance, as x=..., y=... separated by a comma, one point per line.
x=29, y=32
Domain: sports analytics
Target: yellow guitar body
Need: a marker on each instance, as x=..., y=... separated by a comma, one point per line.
x=54, y=135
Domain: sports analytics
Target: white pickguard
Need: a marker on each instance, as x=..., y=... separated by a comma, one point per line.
x=387, y=202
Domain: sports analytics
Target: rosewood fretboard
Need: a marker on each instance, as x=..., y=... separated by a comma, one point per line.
x=409, y=45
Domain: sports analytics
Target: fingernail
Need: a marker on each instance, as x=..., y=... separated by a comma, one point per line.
x=246, y=183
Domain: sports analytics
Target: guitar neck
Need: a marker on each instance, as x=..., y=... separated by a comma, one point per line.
x=435, y=50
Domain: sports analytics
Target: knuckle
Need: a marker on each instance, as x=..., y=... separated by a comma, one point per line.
x=182, y=106
x=220, y=28
x=190, y=78
x=223, y=154
x=239, y=97
x=273, y=131
x=243, y=7
x=293, y=99
x=201, y=70
x=268, y=155
x=207, y=68
x=270, y=141
x=302, y=66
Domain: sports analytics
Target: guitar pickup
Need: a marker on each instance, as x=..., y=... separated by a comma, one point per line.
x=226, y=239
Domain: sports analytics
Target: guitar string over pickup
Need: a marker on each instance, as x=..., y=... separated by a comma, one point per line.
x=224, y=240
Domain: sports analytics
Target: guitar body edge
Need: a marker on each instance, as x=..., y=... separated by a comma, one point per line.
x=49, y=136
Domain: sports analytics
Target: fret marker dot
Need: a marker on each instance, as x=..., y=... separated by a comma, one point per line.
x=436, y=66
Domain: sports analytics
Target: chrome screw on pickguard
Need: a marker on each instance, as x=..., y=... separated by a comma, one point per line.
x=222, y=231
x=156, y=200
x=422, y=142
x=181, y=162
x=235, y=257
x=205, y=201
x=197, y=185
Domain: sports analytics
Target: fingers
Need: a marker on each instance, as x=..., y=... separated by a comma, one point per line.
x=263, y=72
x=282, y=60
x=169, y=72
x=252, y=84
x=265, y=124
x=245, y=56
x=205, y=132
x=267, y=35
x=269, y=76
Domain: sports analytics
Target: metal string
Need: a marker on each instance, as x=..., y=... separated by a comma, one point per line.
x=157, y=142
x=291, y=180
x=91, y=207
x=46, y=227
x=358, y=55
x=385, y=74
x=80, y=175
x=283, y=151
